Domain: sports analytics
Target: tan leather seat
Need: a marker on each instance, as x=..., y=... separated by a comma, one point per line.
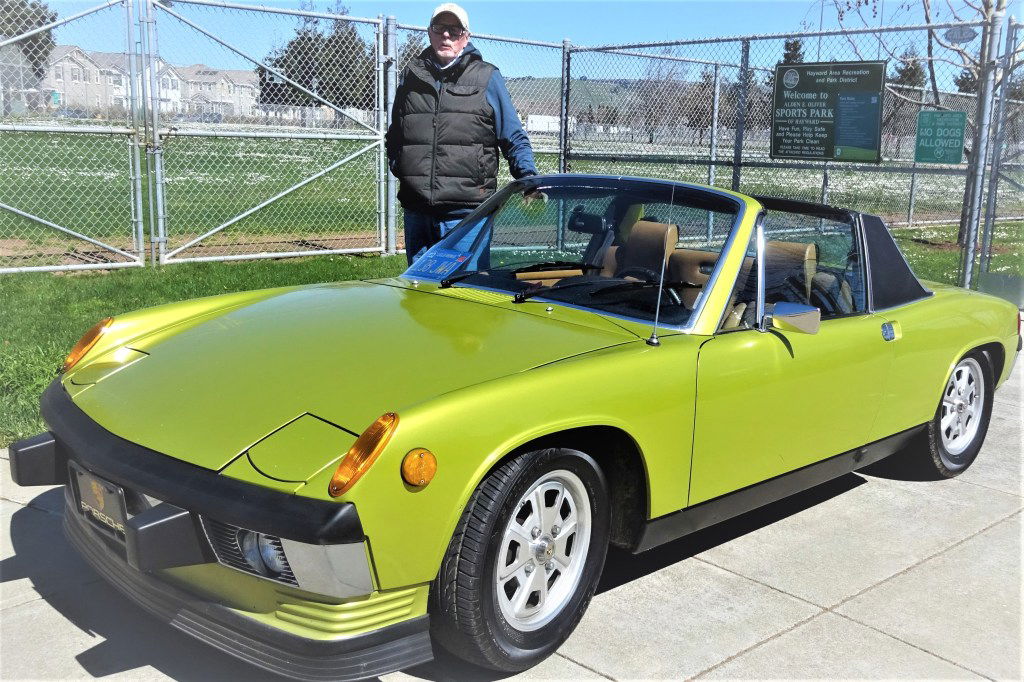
x=789, y=256
x=648, y=247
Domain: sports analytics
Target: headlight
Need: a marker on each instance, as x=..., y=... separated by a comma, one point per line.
x=272, y=554
x=86, y=343
x=262, y=552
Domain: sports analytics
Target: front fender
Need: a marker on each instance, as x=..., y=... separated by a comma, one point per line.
x=646, y=392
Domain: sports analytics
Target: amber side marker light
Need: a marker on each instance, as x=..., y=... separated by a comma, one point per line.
x=86, y=343
x=419, y=467
x=360, y=456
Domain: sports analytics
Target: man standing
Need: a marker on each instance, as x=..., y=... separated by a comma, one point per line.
x=452, y=114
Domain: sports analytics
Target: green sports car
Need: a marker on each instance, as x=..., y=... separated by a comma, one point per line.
x=328, y=481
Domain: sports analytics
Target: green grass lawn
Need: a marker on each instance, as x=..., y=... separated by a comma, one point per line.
x=46, y=313
x=933, y=253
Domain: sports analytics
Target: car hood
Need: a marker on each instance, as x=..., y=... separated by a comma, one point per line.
x=208, y=390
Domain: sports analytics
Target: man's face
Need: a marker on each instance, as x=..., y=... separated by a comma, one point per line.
x=446, y=46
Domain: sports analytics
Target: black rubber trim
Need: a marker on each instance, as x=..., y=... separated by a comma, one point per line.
x=808, y=208
x=685, y=521
x=34, y=461
x=191, y=487
x=376, y=653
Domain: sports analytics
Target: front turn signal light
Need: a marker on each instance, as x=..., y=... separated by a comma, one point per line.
x=86, y=343
x=364, y=451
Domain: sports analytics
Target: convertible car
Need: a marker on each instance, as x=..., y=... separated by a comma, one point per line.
x=329, y=481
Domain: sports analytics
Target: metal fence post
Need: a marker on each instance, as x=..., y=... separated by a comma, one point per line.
x=135, y=117
x=391, y=85
x=913, y=173
x=563, y=114
x=155, y=147
x=713, y=152
x=997, y=145
x=379, y=104
x=981, y=153
x=741, y=115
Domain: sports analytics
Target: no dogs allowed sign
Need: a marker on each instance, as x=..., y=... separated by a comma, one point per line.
x=940, y=137
x=830, y=111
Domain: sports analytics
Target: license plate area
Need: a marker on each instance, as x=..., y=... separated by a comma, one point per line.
x=99, y=500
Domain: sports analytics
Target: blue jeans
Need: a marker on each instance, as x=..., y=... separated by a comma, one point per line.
x=423, y=230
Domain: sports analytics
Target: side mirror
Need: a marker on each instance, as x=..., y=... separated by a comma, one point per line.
x=795, y=317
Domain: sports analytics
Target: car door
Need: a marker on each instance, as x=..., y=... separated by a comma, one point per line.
x=771, y=401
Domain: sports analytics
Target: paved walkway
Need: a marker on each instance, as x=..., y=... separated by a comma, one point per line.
x=863, y=577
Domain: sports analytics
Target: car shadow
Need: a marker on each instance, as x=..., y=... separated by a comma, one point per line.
x=128, y=638
x=123, y=636
x=622, y=566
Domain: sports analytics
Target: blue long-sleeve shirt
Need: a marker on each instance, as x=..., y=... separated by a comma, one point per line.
x=512, y=139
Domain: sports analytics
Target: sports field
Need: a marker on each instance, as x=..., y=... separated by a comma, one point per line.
x=83, y=182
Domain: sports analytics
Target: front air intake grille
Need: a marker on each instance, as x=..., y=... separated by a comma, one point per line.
x=224, y=540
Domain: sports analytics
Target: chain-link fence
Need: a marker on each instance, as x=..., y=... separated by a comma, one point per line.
x=701, y=111
x=236, y=131
x=69, y=152
x=265, y=149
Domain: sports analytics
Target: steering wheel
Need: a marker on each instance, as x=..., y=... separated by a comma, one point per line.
x=639, y=271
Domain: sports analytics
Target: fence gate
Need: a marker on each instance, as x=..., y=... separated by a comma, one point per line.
x=263, y=151
x=70, y=187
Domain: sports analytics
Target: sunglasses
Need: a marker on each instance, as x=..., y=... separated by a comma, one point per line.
x=453, y=30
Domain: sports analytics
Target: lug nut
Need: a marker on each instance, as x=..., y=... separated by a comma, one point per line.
x=535, y=533
x=529, y=569
x=549, y=565
x=555, y=530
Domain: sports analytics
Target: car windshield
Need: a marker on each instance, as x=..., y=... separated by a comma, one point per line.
x=596, y=243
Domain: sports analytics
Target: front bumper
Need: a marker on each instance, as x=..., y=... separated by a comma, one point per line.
x=318, y=638
x=376, y=653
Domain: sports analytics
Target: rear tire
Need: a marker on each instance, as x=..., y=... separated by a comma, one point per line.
x=524, y=561
x=955, y=434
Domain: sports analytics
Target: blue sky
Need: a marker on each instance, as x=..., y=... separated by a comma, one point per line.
x=585, y=22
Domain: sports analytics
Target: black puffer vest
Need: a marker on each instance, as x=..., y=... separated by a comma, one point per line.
x=448, y=152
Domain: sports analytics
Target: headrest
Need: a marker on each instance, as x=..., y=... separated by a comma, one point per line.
x=649, y=245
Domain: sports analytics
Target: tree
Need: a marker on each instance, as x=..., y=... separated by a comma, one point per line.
x=410, y=49
x=700, y=103
x=967, y=81
x=332, y=62
x=660, y=96
x=793, y=51
x=908, y=71
x=21, y=16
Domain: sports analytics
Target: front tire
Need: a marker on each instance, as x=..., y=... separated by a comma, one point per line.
x=524, y=560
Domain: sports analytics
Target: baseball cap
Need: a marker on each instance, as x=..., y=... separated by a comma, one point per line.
x=452, y=8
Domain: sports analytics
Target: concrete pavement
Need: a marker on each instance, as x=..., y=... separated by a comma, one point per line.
x=863, y=577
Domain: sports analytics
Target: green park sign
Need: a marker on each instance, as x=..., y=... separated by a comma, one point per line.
x=940, y=136
x=829, y=111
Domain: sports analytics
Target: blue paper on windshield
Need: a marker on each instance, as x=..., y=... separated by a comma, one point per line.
x=438, y=263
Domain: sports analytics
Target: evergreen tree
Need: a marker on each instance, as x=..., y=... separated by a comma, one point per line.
x=967, y=81
x=908, y=71
x=793, y=51
x=21, y=16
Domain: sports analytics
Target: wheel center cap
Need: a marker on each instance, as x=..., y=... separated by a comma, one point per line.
x=544, y=548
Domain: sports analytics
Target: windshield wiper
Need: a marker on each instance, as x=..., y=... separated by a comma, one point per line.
x=554, y=265
x=610, y=288
x=448, y=281
x=539, y=291
x=532, y=267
